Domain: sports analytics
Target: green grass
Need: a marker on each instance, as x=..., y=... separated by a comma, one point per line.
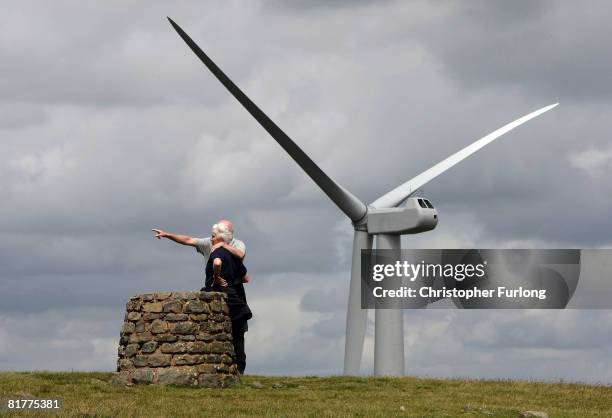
x=90, y=395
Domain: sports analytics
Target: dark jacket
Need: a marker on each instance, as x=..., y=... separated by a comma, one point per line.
x=232, y=270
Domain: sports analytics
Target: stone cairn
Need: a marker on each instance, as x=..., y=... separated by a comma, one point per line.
x=177, y=338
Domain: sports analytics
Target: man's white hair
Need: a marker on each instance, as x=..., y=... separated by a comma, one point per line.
x=223, y=231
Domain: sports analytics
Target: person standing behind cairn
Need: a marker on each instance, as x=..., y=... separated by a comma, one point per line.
x=223, y=243
x=205, y=246
x=225, y=273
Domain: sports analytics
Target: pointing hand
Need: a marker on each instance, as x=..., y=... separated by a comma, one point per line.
x=159, y=234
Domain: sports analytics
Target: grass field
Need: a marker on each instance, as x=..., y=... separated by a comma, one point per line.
x=90, y=395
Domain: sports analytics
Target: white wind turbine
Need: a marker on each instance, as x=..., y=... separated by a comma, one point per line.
x=384, y=218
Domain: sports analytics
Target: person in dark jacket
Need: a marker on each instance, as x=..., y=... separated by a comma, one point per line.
x=225, y=273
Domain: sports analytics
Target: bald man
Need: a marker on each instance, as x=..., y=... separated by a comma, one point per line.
x=204, y=245
x=230, y=274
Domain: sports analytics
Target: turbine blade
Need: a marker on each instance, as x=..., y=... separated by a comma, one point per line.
x=397, y=195
x=354, y=208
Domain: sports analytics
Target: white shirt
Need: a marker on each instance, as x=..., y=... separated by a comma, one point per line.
x=204, y=245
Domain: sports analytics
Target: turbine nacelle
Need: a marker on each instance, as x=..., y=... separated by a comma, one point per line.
x=416, y=215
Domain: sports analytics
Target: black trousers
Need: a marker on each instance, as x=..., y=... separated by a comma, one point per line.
x=238, y=328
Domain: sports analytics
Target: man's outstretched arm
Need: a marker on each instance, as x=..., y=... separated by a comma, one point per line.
x=180, y=239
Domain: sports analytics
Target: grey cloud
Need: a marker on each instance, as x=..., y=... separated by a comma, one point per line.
x=529, y=46
x=567, y=330
x=58, y=55
x=454, y=343
x=18, y=115
x=332, y=327
x=316, y=5
x=322, y=300
x=60, y=339
x=500, y=12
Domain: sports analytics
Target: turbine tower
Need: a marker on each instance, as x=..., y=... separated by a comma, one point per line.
x=383, y=218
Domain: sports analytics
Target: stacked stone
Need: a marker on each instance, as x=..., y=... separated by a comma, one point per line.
x=180, y=338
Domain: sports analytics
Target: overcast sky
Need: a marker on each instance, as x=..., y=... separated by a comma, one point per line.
x=110, y=126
